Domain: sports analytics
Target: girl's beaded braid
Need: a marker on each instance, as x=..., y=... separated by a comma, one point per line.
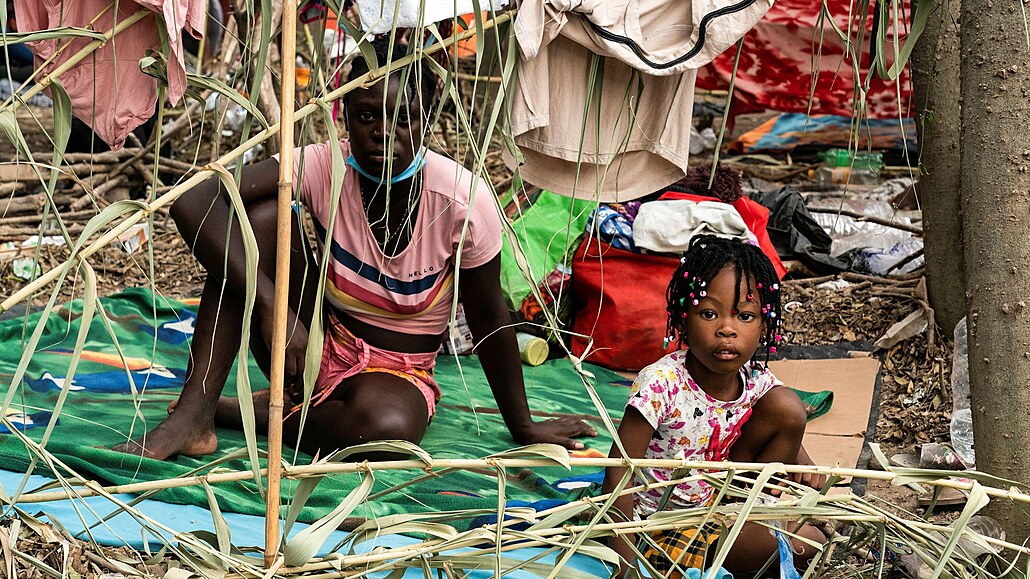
x=703, y=260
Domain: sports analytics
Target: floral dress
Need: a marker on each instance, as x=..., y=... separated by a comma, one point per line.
x=689, y=424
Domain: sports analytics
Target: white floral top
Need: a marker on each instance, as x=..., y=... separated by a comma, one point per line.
x=689, y=424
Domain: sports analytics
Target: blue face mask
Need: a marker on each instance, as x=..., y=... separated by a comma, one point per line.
x=416, y=165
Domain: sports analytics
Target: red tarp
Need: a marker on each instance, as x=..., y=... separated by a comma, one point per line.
x=775, y=70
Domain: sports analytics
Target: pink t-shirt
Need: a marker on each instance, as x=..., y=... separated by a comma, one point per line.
x=412, y=291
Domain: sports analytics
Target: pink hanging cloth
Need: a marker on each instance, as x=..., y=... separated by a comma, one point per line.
x=107, y=89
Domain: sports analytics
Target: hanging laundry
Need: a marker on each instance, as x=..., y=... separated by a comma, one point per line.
x=378, y=16
x=605, y=90
x=107, y=89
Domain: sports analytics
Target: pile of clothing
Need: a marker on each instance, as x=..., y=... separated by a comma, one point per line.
x=606, y=291
x=666, y=221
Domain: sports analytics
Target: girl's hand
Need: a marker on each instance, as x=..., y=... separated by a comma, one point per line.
x=814, y=480
x=560, y=431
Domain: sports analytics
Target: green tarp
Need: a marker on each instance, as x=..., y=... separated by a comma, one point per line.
x=101, y=412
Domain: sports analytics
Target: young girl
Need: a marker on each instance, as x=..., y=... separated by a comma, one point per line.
x=711, y=399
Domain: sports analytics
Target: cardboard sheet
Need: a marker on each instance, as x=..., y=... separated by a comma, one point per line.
x=852, y=381
x=837, y=437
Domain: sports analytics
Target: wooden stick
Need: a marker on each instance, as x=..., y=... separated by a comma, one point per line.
x=877, y=220
x=287, y=95
x=328, y=469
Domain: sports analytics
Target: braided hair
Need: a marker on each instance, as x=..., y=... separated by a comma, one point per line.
x=703, y=260
x=420, y=81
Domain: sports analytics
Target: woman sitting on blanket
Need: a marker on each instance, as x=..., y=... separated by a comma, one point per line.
x=410, y=225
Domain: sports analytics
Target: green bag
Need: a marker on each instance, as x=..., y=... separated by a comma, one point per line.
x=545, y=231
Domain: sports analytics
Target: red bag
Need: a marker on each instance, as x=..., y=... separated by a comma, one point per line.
x=620, y=302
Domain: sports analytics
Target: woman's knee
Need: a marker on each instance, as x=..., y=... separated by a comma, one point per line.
x=384, y=407
x=387, y=422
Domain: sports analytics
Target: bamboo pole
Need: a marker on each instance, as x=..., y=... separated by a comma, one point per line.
x=324, y=469
x=284, y=233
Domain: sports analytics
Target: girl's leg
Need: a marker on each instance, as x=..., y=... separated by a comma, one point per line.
x=190, y=429
x=756, y=544
x=773, y=433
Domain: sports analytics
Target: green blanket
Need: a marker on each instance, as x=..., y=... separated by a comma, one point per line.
x=101, y=411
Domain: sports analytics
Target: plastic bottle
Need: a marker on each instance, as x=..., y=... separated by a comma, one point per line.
x=858, y=160
x=961, y=416
x=844, y=166
x=532, y=349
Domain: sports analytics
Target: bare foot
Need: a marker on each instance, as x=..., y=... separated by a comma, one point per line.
x=177, y=434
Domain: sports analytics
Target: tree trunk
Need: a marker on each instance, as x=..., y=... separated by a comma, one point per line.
x=995, y=146
x=935, y=78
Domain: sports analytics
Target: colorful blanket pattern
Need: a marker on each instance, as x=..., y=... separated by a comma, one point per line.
x=791, y=44
x=116, y=396
x=102, y=410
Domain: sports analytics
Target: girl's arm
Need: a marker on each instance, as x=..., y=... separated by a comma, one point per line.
x=635, y=433
x=498, y=352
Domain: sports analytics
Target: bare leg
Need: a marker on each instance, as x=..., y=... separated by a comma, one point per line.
x=772, y=434
x=364, y=408
x=756, y=544
x=190, y=429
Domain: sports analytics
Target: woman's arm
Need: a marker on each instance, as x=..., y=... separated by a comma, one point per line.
x=635, y=433
x=498, y=352
x=202, y=217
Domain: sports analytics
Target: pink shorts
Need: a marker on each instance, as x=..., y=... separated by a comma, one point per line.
x=345, y=355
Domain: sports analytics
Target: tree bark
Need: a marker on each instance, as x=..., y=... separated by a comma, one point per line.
x=995, y=169
x=935, y=79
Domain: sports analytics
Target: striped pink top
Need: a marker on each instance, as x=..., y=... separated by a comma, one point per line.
x=412, y=291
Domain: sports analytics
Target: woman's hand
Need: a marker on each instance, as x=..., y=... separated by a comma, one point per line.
x=560, y=431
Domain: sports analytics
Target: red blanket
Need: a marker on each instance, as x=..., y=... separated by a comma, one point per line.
x=779, y=53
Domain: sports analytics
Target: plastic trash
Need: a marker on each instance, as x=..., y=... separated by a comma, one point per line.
x=461, y=341
x=961, y=416
x=872, y=162
x=962, y=436
x=845, y=175
x=960, y=368
x=881, y=260
x=972, y=544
